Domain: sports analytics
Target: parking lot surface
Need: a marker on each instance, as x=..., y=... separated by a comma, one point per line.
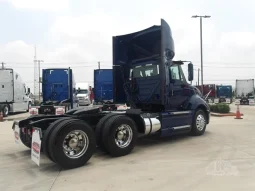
x=222, y=159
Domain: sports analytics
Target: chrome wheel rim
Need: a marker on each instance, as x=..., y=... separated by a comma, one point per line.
x=123, y=136
x=6, y=110
x=75, y=144
x=200, y=122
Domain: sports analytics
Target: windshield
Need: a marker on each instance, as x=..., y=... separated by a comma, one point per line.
x=147, y=70
x=224, y=90
x=82, y=91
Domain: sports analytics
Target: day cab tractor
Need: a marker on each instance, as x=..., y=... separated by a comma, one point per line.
x=144, y=75
x=224, y=94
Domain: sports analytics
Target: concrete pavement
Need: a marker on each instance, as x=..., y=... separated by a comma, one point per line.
x=178, y=163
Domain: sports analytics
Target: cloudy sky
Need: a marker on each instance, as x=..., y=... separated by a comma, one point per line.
x=79, y=33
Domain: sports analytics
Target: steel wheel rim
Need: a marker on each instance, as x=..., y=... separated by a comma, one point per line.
x=75, y=144
x=123, y=136
x=200, y=122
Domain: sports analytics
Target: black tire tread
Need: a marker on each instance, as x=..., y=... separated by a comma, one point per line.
x=47, y=135
x=54, y=149
x=114, y=150
x=21, y=134
x=194, y=130
x=99, y=127
x=6, y=105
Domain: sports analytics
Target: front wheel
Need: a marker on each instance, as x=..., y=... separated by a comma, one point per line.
x=199, y=123
x=72, y=143
x=119, y=135
x=6, y=110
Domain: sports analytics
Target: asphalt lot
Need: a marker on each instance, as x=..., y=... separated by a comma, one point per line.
x=222, y=159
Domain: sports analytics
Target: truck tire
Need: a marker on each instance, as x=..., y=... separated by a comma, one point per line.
x=6, y=110
x=199, y=123
x=23, y=140
x=98, y=131
x=76, y=135
x=45, y=142
x=120, y=143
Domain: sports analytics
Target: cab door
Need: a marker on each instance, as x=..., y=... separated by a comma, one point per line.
x=179, y=92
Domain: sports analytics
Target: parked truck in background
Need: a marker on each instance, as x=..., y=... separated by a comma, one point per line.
x=58, y=92
x=103, y=90
x=144, y=74
x=103, y=86
x=210, y=91
x=14, y=97
x=83, y=94
x=223, y=94
x=244, y=92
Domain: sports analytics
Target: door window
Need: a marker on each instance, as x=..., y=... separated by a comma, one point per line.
x=174, y=72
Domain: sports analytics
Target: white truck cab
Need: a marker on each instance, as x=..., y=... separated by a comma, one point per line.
x=83, y=94
x=14, y=97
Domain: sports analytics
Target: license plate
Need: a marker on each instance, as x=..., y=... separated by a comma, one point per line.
x=17, y=134
x=36, y=146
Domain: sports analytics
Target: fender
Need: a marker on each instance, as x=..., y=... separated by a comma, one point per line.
x=196, y=102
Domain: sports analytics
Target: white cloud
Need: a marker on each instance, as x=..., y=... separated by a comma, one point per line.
x=46, y=5
x=87, y=37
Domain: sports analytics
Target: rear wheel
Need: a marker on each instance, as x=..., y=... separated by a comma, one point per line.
x=23, y=139
x=45, y=144
x=199, y=123
x=119, y=135
x=99, y=127
x=72, y=143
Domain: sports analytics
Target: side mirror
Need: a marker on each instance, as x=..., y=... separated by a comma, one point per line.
x=191, y=72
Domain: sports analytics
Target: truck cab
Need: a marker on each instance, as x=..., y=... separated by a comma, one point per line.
x=151, y=80
x=224, y=94
x=58, y=90
x=14, y=96
x=83, y=94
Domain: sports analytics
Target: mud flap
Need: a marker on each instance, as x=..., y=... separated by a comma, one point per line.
x=17, y=134
x=36, y=146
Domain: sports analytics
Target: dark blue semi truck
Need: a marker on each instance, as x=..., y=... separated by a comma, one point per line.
x=162, y=103
x=103, y=86
x=58, y=92
x=103, y=90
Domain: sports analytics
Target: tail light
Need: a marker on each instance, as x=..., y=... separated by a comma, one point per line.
x=60, y=110
x=33, y=110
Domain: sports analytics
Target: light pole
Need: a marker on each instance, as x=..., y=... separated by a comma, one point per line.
x=201, y=48
x=39, y=69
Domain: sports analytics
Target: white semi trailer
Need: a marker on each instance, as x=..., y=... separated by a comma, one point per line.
x=245, y=92
x=14, y=97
